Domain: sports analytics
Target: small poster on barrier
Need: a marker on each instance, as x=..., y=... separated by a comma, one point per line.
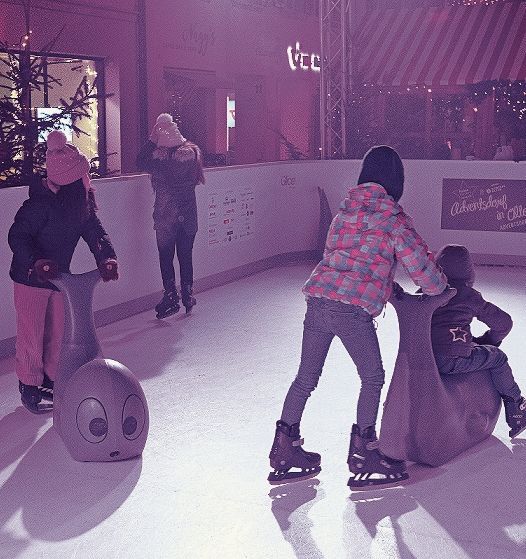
x=484, y=205
x=231, y=216
x=247, y=216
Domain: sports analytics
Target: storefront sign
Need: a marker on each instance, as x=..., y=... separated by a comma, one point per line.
x=484, y=205
x=298, y=59
x=193, y=38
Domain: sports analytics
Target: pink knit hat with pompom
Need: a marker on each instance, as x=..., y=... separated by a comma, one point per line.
x=64, y=162
x=166, y=133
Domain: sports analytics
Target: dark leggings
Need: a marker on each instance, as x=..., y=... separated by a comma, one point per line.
x=168, y=241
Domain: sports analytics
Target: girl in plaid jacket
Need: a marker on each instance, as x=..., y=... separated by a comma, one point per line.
x=347, y=289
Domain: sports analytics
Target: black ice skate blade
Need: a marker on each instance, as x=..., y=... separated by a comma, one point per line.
x=517, y=433
x=376, y=483
x=280, y=477
x=171, y=312
x=38, y=409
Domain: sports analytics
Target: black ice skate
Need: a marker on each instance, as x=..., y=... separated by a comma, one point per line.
x=169, y=304
x=368, y=466
x=515, y=415
x=187, y=297
x=46, y=390
x=286, y=453
x=31, y=398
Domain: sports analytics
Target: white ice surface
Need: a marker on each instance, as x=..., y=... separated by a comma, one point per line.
x=215, y=383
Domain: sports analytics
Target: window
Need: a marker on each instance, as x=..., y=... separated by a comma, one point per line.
x=55, y=82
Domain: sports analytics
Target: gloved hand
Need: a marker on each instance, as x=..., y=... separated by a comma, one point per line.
x=45, y=269
x=485, y=339
x=108, y=269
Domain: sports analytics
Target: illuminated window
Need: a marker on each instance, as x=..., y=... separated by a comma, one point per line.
x=59, y=78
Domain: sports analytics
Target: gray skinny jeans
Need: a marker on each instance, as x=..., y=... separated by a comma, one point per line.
x=354, y=326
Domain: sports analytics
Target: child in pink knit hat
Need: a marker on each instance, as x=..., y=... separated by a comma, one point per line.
x=59, y=211
x=65, y=164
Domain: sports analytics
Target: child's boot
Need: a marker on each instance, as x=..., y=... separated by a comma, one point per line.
x=31, y=398
x=515, y=415
x=169, y=304
x=187, y=297
x=368, y=466
x=286, y=453
x=46, y=390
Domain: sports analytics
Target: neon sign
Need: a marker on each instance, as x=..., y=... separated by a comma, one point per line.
x=299, y=59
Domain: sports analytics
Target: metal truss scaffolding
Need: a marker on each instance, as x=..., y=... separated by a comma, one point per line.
x=334, y=82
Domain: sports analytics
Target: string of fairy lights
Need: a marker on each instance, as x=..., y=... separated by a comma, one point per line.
x=476, y=2
x=509, y=95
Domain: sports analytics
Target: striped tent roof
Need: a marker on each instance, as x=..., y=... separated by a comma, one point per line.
x=457, y=45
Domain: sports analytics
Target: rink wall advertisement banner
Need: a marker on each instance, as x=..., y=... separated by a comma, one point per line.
x=484, y=205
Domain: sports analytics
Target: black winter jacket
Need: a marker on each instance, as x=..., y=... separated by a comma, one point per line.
x=450, y=325
x=175, y=173
x=44, y=228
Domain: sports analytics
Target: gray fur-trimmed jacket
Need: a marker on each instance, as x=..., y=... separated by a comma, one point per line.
x=175, y=172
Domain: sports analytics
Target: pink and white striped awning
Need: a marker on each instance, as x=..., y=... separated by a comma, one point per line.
x=457, y=45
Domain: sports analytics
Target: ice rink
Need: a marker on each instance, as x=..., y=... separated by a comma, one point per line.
x=215, y=382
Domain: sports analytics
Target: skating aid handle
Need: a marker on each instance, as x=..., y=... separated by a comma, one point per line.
x=400, y=300
x=80, y=343
x=79, y=327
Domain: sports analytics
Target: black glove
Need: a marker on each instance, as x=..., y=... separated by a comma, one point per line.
x=45, y=269
x=485, y=339
x=108, y=269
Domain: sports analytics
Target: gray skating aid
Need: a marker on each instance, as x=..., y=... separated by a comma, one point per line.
x=429, y=418
x=99, y=407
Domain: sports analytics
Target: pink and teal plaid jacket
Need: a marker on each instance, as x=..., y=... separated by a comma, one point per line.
x=367, y=237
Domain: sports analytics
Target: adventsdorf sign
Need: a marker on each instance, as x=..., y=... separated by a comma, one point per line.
x=484, y=205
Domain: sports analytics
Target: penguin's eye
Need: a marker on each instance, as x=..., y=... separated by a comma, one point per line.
x=92, y=421
x=133, y=417
x=129, y=426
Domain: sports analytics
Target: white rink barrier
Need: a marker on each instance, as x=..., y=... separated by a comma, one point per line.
x=251, y=213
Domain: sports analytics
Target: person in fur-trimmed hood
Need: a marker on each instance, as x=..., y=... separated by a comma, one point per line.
x=176, y=167
x=60, y=210
x=456, y=350
x=347, y=289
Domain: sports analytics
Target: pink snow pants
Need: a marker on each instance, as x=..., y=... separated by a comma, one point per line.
x=39, y=332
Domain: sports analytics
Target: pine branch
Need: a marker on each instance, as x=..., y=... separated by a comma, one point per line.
x=293, y=151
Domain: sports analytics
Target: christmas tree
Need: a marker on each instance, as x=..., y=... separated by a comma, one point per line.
x=22, y=72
